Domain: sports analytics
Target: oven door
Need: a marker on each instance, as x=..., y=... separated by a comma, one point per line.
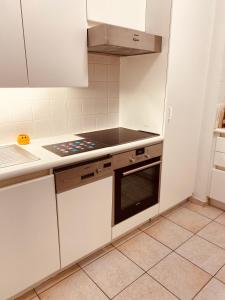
x=136, y=188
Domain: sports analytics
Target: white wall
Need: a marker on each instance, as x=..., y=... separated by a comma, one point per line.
x=46, y=112
x=143, y=78
x=214, y=93
x=190, y=40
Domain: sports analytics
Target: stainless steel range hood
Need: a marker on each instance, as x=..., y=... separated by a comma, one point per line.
x=115, y=40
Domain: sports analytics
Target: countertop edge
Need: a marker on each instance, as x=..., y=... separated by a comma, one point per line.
x=55, y=161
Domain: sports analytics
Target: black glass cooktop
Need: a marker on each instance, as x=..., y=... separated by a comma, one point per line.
x=117, y=136
x=97, y=140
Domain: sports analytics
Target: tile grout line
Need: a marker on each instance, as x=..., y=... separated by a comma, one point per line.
x=128, y=286
x=205, y=215
x=95, y=283
x=162, y=285
x=202, y=288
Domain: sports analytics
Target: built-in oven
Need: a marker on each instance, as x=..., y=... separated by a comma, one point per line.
x=136, y=181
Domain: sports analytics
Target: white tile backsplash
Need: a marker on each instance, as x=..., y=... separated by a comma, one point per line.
x=44, y=112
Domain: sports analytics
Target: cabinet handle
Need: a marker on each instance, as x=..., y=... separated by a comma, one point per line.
x=136, y=39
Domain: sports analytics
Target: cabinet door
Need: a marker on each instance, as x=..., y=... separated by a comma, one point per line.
x=56, y=42
x=187, y=70
x=126, y=13
x=29, y=239
x=85, y=219
x=13, y=71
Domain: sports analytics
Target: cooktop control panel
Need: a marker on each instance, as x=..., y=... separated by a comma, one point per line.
x=74, y=147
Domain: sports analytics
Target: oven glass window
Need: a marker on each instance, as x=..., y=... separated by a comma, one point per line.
x=138, y=187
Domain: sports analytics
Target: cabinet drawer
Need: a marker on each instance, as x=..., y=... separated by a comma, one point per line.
x=220, y=144
x=219, y=159
x=217, y=191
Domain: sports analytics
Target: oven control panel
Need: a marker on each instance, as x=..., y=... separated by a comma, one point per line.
x=137, y=155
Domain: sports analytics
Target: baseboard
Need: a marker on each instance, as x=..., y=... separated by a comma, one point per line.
x=217, y=203
x=169, y=210
x=198, y=201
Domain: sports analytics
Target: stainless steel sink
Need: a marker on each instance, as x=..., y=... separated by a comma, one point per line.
x=14, y=155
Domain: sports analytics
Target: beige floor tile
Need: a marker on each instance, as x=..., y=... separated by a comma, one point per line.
x=126, y=237
x=204, y=254
x=214, y=290
x=113, y=272
x=214, y=233
x=169, y=233
x=57, y=278
x=179, y=276
x=221, y=274
x=221, y=219
x=77, y=286
x=188, y=219
x=145, y=288
x=150, y=223
x=30, y=295
x=144, y=250
x=207, y=210
x=95, y=256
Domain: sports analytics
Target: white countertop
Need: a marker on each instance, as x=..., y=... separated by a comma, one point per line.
x=49, y=160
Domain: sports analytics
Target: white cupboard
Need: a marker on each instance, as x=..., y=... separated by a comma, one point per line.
x=56, y=42
x=125, y=13
x=29, y=237
x=85, y=215
x=186, y=82
x=13, y=70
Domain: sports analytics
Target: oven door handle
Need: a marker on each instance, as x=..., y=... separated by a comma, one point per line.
x=142, y=168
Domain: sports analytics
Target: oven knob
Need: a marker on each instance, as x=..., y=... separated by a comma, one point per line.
x=132, y=160
x=147, y=156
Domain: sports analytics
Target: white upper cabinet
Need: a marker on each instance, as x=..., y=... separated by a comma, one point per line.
x=56, y=42
x=125, y=13
x=13, y=70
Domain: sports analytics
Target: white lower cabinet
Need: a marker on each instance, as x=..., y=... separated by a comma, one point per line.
x=85, y=215
x=217, y=191
x=29, y=238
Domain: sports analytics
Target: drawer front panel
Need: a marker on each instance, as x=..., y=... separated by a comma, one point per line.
x=219, y=159
x=217, y=191
x=220, y=144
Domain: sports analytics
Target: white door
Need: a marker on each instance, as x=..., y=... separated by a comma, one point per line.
x=85, y=219
x=188, y=61
x=29, y=248
x=56, y=42
x=13, y=71
x=125, y=13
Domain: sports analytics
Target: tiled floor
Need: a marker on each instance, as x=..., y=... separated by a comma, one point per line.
x=181, y=255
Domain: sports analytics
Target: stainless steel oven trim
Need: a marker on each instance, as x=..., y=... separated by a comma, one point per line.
x=142, y=168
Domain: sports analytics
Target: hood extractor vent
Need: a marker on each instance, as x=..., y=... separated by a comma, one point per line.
x=115, y=40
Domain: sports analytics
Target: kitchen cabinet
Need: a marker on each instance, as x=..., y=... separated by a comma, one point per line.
x=185, y=94
x=29, y=237
x=85, y=219
x=126, y=13
x=217, y=191
x=13, y=71
x=217, y=188
x=56, y=42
